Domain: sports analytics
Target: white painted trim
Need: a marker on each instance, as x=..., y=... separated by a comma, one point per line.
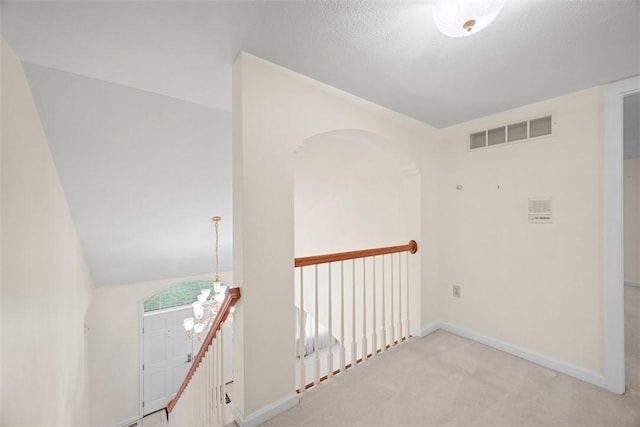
x=613, y=233
x=140, y=358
x=127, y=422
x=267, y=412
x=627, y=283
x=539, y=359
x=164, y=310
x=427, y=330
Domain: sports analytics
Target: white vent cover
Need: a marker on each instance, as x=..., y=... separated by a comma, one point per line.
x=540, y=127
x=540, y=210
x=514, y=132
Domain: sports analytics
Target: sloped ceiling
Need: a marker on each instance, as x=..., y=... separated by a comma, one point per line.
x=141, y=172
x=135, y=97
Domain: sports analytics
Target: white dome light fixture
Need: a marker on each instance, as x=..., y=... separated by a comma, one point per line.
x=461, y=18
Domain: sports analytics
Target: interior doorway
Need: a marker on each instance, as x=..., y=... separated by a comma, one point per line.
x=631, y=211
x=614, y=233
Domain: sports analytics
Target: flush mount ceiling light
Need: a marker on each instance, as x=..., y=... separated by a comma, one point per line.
x=460, y=18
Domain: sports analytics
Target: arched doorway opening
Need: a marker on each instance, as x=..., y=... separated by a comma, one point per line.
x=353, y=190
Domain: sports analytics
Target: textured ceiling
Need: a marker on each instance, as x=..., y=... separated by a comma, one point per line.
x=388, y=52
x=135, y=96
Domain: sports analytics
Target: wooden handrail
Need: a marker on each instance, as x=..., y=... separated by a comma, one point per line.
x=233, y=295
x=343, y=256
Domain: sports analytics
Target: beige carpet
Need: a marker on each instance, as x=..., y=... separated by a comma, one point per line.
x=445, y=380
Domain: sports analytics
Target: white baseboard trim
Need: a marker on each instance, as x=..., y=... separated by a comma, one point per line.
x=266, y=413
x=128, y=422
x=628, y=283
x=539, y=359
x=427, y=330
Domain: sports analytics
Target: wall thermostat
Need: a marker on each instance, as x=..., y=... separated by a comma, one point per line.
x=540, y=210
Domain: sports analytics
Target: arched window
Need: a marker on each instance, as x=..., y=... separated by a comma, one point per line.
x=176, y=296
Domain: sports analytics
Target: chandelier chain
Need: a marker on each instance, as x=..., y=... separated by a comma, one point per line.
x=216, y=222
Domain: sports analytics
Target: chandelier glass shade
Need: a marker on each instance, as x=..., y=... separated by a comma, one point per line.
x=461, y=18
x=208, y=301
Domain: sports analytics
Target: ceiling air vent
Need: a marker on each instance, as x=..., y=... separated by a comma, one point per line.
x=514, y=132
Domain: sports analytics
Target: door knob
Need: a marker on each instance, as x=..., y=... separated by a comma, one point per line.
x=188, y=358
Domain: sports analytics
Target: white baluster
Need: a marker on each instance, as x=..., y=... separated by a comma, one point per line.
x=383, y=333
x=393, y=329
x=216, y=380
x=216, y=377
x=374, y=338
x=342, y=349
x=400, y=329
x=301, y=337
x=203, y=398
x=203, y=375
x=198, y=391
x=408, y=325
x=216, y=358
x=354, y=356
x=215, y=395
x=316, y=356
x=211, y=393
x=209, y=361
x=192, y=400
x=215, y=392
x=364, y=310
x=204, y=367
x=208, y=381
x=329, y=327
x=220, y=382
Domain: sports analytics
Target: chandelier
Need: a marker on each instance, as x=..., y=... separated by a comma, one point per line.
x=208, y=303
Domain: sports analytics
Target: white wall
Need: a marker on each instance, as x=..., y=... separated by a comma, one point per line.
x=351, y=193
x=274, y=111
x=46, y=287
x=632, y=220
x=536, y=286
x=1, y=127
x=114, y=348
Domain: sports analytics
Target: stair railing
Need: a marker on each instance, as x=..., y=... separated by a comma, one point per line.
x=365, y=293
x=201, y=399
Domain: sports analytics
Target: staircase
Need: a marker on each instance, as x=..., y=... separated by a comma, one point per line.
x=364, y=299
x=201, y=399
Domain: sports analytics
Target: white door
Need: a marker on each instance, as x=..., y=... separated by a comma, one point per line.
x=167, y=356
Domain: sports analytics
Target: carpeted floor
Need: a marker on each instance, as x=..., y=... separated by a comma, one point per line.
x=445, y=380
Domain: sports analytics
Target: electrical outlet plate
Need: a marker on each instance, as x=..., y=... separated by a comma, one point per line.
x=456, y=291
